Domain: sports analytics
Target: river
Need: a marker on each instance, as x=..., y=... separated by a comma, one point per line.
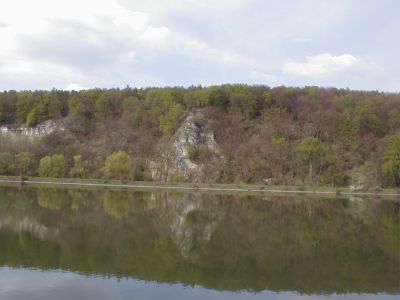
x=71, y=243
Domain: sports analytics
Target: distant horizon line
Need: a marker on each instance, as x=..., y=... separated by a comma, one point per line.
x=199, y=86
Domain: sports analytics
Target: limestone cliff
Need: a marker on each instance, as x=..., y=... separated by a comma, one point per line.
x=40, y=130
x=190, y=154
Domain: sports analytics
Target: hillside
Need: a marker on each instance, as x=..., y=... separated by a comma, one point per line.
x=229, y=133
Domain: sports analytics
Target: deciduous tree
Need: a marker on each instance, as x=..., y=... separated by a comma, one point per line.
x=118, y=166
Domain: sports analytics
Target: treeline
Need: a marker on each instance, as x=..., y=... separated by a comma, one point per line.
x=277, y=135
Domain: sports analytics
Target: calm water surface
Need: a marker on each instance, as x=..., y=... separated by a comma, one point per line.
x=86, y=244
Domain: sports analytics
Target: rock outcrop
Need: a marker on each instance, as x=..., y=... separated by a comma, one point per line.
x=40, y=130
x=190, y=154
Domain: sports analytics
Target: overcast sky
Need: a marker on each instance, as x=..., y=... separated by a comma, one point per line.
x=73, y=44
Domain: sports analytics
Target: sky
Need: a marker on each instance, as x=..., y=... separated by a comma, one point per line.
x=78, y=44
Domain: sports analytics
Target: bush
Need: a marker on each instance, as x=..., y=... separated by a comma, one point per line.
x=53, y=166
x=193, y=152
x=7, y=165
x=177, y=177
x=118, y=166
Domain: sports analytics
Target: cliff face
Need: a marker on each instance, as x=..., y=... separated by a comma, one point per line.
x=40, y=130
x=191, y=153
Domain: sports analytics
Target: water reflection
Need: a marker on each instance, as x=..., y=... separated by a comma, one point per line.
x=222, y=242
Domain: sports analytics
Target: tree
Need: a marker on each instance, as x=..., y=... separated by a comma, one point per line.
x=133, y=112
x=391, y=167
x=2, y=112
x=242, y=99
x=25, y=163
x=6, y=163
x=37, y=115
x=311, y=151
x=52, y=166
x=118, y=166
x=101, y=107
x=218, y=97
x=53, y=105
x=333, y=174
x=79, y=168
x=169, y=121
x=26, y=102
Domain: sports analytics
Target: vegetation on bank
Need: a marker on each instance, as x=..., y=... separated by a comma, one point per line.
x=283, y=136
x=225, y=188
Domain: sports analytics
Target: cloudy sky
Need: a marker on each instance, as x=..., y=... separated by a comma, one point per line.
x=72, y=44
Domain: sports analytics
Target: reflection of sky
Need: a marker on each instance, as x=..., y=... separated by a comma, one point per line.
x=24, y=284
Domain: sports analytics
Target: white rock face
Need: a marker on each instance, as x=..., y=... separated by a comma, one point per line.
x=174, y=157
x=40, y=130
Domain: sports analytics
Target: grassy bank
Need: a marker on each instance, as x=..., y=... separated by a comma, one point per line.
x=232, y=187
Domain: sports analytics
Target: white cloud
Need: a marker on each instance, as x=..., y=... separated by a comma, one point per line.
x=74, y=87
x=90, y=42
x=264, y=78
x=154, y=36
x=105, y=43
x=322, y=65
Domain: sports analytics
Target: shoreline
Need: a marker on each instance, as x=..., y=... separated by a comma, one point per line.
x=196, y=187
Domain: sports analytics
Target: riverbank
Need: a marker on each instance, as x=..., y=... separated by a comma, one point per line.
x=41, y=181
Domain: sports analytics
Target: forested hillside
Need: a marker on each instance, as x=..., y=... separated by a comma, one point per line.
x=277, y=136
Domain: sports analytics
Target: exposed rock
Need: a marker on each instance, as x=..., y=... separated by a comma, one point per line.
x=191, y=154
x=40, y=130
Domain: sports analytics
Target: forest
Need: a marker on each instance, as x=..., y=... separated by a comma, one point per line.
x=282, y=135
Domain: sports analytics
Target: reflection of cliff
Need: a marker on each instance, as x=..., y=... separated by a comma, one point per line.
x=188, y=218
x=221, y=242
x=24, y=224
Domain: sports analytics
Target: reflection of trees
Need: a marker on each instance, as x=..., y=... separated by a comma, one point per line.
x=222, y=242
x=51, y=199
x=115, y=205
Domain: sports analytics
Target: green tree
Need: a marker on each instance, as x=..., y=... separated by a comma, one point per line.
x=53, y=166
x=118, y=166
x=193, y=152
x=101, y=107
x=218, y=97
x=53, y=105
x=311, y=151
x=37, y=115
x=391, y=167
x=241, y=98
x=333, y=174
x=268, y=99
x=2, y=112
x=133, y=111
x=169, y=121
x=75, y=105
x=348, y=130
x=79, y=169
x=25, y=163
x=7, y=165
x=26, y=102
